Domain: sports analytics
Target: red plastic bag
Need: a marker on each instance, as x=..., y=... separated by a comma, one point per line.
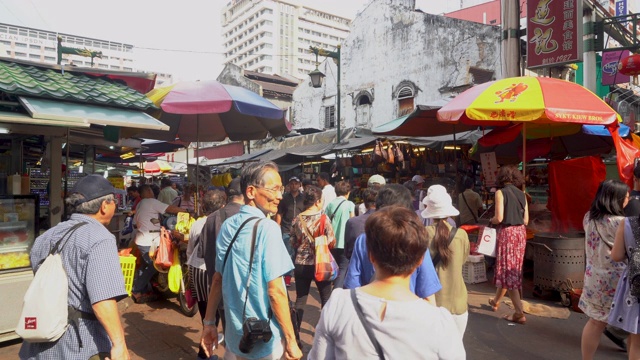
x=164, y=253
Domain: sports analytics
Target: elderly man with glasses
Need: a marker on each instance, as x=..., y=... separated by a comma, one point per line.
x=251, y=260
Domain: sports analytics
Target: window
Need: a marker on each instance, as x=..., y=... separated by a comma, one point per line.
x=35, y=47
x=329, y=117
x=34, y=56
x=405, y=101
x=49, y=49
x=49, y=58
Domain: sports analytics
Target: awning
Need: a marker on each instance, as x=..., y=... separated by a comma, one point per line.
x=237, y=159
x=40, y=109
x=355, y=143
x=421, y=122
x=22, y=119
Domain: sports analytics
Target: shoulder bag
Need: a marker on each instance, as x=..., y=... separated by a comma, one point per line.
x=333, y=214
x=367, y=327
x=452, y=234
x=475, y=216
x=326, y=265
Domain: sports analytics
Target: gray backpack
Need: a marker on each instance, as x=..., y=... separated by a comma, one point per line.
x=634, y=258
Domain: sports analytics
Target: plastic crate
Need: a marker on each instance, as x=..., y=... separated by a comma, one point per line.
x=128, y=265
x=474, y=272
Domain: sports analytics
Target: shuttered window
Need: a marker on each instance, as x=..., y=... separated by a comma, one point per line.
x=329, y=117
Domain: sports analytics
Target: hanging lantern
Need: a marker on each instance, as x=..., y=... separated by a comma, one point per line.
x=630, y=66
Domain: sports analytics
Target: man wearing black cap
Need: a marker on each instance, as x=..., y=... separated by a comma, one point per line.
x=290, y=206
x=90, y=259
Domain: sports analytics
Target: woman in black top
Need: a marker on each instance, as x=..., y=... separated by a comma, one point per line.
x=511, y=218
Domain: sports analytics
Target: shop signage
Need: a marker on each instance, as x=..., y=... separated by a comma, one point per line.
x=26, y=40
x=554, y=32
x=621, y=7
x=489, y=168
x=610, y=74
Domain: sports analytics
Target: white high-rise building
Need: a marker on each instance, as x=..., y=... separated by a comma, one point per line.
x=273, y=36
x=23, y=43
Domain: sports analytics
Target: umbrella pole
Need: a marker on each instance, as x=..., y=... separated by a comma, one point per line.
x=524, y=153
x=195, y=204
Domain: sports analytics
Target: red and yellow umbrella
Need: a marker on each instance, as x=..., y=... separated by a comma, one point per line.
x=537, y=100
x=549, y=107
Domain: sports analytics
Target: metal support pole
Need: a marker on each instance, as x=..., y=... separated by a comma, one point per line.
x=338, y=105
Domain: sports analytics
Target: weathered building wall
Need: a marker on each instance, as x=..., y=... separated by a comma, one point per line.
x=233, y=75
x=393, y=53
x=391, y=48
x=309, y=103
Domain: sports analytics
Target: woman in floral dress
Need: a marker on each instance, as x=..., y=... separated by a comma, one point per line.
x=602, y=272
x=511, y=218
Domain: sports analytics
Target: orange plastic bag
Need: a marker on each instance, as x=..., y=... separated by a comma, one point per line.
x=164, y=253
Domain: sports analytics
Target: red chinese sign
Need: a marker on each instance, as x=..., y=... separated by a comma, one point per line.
x=554, y=32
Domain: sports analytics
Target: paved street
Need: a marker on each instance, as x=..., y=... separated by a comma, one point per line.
x=159, y=331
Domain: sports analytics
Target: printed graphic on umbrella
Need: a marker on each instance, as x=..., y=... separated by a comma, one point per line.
x=211, y=111
x=547, y=104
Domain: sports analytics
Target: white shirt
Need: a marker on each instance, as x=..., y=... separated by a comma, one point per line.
x=148, y=209
x=192, y=251
x=409, y=330
x=328, y=194
x=167, y=195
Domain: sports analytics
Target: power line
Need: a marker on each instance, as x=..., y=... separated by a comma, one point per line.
x=220, y=53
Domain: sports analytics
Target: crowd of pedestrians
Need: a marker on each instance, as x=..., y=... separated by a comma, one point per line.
x=399, y=266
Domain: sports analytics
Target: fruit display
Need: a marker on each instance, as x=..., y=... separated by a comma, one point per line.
x=14, y=260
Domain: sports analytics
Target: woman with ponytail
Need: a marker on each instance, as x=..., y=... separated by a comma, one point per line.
x=449, y=248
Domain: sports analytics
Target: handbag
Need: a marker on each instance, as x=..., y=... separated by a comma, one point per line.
x=398, y=153
x=326, y=265
x=487, y=242
x=391, y=159
x=378, y=155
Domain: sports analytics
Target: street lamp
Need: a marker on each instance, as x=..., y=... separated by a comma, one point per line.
x=317, y=76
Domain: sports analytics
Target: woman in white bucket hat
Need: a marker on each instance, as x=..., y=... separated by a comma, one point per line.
x=449, y=248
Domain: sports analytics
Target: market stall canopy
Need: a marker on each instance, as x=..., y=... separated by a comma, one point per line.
x=211, y=111
x=237, y=159
x=421, y=122
x=554, y=148
x=156, y=146
x=37, y=94
x=90, y=114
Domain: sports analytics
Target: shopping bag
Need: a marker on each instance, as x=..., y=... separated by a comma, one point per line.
x=326, y=265
x=163, y=253
x=175, y=273
x=128, y=226
x=487, y=242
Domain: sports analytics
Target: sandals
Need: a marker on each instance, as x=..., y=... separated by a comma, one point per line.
x=494, y=305
x=516, y=318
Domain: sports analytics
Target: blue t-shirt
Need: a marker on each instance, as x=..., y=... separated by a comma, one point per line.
x=270, y=261
x=424, y=280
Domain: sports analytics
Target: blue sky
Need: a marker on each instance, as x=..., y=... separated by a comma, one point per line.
x=190, y=27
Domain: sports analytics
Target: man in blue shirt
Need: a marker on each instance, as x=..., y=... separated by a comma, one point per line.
x=424, y=281
x=256, y=289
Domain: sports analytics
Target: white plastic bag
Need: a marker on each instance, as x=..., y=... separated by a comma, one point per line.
x=487, y=242
x=45, y=312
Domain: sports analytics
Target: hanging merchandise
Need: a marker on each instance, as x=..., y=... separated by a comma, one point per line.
x=391, y=159
x=378, y=155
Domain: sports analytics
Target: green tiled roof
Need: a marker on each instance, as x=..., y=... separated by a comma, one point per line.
x=27, y=80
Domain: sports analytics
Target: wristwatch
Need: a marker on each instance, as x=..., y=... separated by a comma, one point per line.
x=209, y=322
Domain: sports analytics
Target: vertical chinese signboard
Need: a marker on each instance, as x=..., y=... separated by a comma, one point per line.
x=554, y=32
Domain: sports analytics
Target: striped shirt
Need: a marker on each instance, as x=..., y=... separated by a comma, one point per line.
x=90, y=259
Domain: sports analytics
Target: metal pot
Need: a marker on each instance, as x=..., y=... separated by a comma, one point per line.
x=558, y=257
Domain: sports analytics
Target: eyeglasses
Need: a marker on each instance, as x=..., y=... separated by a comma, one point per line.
x=276, y=191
